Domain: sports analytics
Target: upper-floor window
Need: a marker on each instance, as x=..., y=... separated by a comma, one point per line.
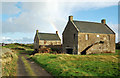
x=109, y=37
x=74, y=36
x=86, y=36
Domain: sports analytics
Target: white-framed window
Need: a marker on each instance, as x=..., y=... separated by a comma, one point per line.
x=86, y=36
x=98, y=35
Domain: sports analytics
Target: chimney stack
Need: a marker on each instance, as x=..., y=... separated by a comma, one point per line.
x=56, y=32
x=103, y=21
x=70, y=18
x=37, y=31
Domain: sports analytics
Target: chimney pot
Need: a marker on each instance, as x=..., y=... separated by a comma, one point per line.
x=70, y=18
x=56, y=32
x=103, y=21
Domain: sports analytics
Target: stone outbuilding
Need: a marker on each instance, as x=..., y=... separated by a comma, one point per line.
x=46, y=39
x=83, y=37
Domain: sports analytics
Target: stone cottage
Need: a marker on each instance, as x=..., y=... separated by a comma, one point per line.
x=46, y=39
x=82, y=37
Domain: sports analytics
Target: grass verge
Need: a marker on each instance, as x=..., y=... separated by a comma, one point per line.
x=27, y=67
x=9, y=64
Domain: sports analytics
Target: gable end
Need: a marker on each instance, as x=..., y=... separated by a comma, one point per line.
x=109, y=28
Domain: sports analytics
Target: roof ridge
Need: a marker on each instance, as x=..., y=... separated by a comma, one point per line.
x=86, y=21
x=48, y=36
x=46, y=33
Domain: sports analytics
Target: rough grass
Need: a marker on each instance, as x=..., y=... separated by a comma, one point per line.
x=27, y=67
x=9, y=64
x=79, y=65
x=24, y=48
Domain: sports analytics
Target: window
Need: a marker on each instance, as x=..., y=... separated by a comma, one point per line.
x=39, y=46
x=109, y=37
x=98, y=35
x=74, y=36
x=86, y=36
x=45, y=41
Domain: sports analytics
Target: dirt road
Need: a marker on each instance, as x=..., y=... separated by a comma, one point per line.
x=21, y=68
x=21, y=71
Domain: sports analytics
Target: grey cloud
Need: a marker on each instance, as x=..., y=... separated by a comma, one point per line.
x=23, y=40
x=38, y=15
x=44, y=16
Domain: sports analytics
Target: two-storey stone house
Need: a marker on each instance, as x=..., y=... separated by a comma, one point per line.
x=82, y=37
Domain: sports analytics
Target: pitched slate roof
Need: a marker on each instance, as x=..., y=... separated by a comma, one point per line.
x=48, y=36
x=92, y=27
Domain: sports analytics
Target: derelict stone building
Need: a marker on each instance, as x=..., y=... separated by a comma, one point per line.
x=82, y=37
x=46, y=39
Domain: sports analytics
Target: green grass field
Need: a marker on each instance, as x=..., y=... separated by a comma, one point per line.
x=79, y=65
x=25, y=48
x=74, y=65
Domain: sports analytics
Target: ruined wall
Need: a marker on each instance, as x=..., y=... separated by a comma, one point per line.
x=49, y=42
x=107, y=46
x=69, y=41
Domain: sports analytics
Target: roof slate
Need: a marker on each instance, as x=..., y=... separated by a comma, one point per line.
x=48, y=36
x=92, y=27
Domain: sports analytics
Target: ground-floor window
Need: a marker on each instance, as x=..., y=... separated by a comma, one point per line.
x=69, y=51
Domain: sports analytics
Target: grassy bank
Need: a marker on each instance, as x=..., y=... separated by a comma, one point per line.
x=76, y=65
x=9, y=63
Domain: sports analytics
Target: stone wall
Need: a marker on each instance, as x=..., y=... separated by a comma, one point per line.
x=49, y=42
x=92, y=43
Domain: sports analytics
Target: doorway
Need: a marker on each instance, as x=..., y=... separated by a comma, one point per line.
x=69, y=51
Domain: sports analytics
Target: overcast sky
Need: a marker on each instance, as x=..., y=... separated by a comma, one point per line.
x=21, y=18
